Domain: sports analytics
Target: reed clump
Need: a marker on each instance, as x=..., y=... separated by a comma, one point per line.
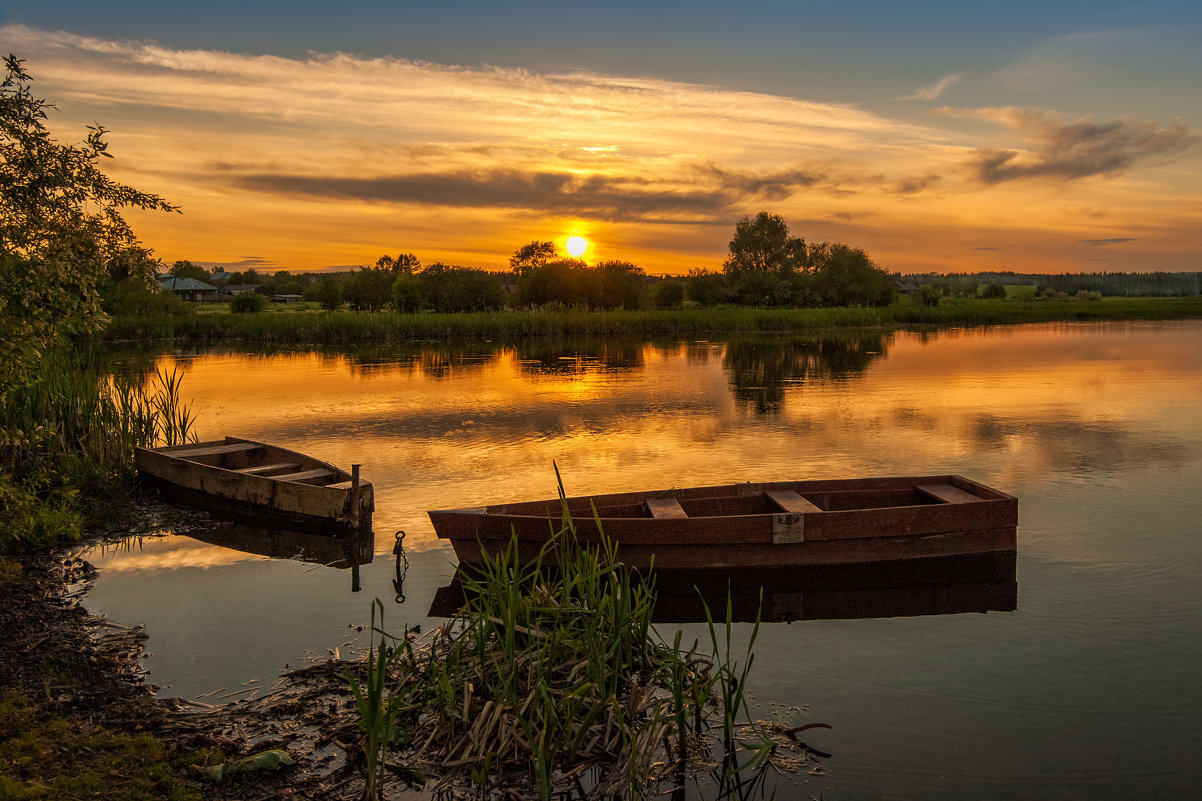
x=552, y=682
x=548, y=681
x=68, y=435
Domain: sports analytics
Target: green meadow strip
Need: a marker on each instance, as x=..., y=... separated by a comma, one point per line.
x=346, y=327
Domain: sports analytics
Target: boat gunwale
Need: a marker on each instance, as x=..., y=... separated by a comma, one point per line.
x=984, y=494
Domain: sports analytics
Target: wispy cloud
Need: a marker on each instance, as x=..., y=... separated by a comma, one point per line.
x=1101, y=243
x=1067, y=149
x=936, y=89
x=335, y=158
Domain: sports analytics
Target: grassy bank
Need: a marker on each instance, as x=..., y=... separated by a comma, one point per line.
x=68, y=435
x=346, y=327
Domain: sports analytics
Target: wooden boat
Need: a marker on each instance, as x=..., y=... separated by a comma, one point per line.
x=254, y=480
x=787, y=523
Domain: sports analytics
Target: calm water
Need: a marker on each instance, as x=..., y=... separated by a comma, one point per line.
x=1083, y=684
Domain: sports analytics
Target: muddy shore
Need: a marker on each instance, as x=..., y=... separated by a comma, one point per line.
x=63, y=661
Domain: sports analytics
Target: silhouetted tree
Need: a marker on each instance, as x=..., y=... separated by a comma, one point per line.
x=532, y=255
x=406, y=293
x=705, y=288
x=405, y=263
x=186, y=269
x=668, y=293
x=328, y=292
x=845, y=276
x=368, y=289
x=763, y=245
x=458, y=289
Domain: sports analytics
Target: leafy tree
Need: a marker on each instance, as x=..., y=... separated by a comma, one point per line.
x=186, y=269
x=619, y=285
x=763, y=245
x=404, y=263
x=406, y=293
x=552, y=281
x=846, y=276
x=705, y=288
x=368, y=288
x=131, y=297
x=994, y=291
x=531, y=256
x=328, y=292
x=929, y=294
x=458, y=289
x=61, y=230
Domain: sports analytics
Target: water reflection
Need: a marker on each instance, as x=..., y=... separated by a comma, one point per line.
x=342, y=552
x=762, y=369
x=979, y=583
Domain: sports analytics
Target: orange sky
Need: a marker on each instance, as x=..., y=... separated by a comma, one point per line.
x=331, y=160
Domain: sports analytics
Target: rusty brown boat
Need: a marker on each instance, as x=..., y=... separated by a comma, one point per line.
x=786, y=523
x=266, y=483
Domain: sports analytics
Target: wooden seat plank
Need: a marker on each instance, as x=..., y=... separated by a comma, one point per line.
x=947, y=493
x=665, y=508
x=304, y=475
x=214, y=450
x=790, y=501
x=259, y=469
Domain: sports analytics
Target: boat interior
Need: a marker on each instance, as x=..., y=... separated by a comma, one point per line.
x=763, y=501
x=251, y=458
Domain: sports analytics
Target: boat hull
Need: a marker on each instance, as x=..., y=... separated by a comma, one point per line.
x=743, y=525
x=220, y=477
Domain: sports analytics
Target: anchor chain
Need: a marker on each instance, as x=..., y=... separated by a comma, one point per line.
x=402, y=567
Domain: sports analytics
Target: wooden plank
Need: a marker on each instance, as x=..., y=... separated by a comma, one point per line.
x=790, y=501
x=267, y=468
x=304, y=475
x=947, y=493
x=214, y=450
x=665, y=508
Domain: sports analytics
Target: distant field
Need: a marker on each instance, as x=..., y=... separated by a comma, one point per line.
x=284, y=324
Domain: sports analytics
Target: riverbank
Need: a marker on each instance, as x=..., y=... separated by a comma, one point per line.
x=80, y=721
x=345, y=327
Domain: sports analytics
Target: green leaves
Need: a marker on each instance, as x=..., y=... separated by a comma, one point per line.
x=61, y=229
x=272, y=759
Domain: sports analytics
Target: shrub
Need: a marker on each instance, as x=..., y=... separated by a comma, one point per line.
x=929, y=295
x=994, y=291
x=248, y=303
x=668, y=293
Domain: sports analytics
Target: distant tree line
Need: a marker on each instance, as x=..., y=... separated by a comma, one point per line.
x=765, y=266
x=1121, y=284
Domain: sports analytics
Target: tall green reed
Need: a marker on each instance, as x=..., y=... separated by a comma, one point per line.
x=379, y=707
x=67, y=432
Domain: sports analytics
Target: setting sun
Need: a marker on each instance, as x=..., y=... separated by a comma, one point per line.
x=576, y=246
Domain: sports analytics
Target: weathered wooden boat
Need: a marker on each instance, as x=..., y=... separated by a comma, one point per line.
x=787, y=523
x=254, y=480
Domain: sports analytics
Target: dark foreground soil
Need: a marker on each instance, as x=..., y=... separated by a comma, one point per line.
x=66, y=674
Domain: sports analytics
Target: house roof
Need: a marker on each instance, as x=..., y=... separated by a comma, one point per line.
x=185, y=284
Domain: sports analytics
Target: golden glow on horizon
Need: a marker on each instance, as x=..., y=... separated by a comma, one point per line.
x=576, y=245
x=334, y=160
